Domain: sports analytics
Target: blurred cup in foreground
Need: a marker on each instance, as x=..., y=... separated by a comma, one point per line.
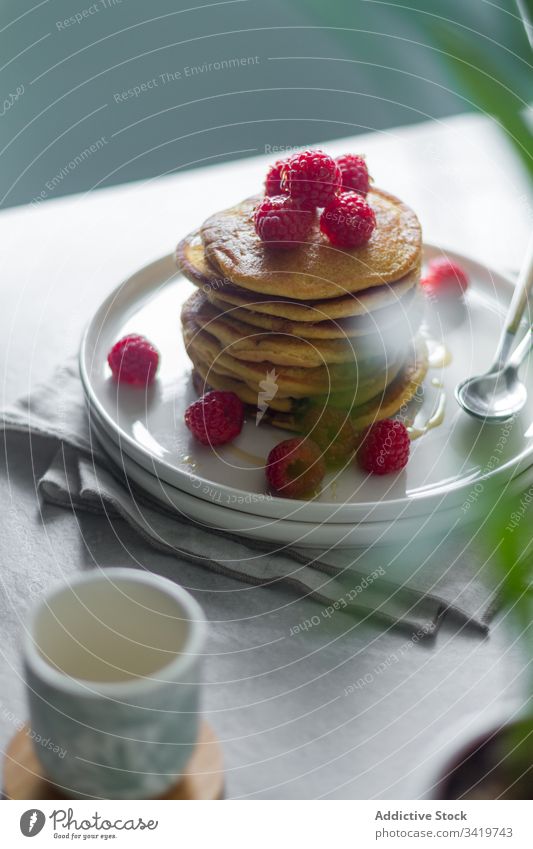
x=113, y=662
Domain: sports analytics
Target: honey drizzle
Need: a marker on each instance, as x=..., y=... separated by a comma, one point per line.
x=246, y=455
x=434, y=420
x=439, y=356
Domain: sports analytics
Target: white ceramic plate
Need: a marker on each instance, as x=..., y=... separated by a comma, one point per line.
x=280, y=531
x=446, y=465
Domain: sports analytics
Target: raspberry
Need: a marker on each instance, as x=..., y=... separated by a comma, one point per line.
x=443, y=275
x=215, y=418
x=134, y=360
x=273, y=179
x=348, y=221
x=384, y=448
x=295, y=468
x=333, y=432
x=312, y=176
x=283, y=222
x=354, y=171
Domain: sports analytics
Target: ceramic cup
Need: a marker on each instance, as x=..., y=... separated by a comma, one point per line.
x=113, y=663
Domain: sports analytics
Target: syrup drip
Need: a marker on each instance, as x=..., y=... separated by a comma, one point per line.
x=246, y=456
x=438, y=354
x=434, y=420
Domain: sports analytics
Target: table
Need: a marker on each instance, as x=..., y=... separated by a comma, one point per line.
x=276, y=701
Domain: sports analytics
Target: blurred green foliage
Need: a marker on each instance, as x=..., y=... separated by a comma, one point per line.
x=325, y=69
x=491, y=84
x=480, y=49
x=510, y=535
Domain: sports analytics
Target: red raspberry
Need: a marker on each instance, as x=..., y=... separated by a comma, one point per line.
x=215, y=418
x=134, y=360
x=333, y=432
x=354, y=171
x=312, y=176
x=443, y=275
x=295, y=468
x=273, y=179
x=384, y=448
x=283, y=222
x=348, y=221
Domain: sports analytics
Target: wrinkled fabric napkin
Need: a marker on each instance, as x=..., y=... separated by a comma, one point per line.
x=451, y=576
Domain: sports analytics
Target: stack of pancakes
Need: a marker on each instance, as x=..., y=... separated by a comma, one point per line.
x=318, y=325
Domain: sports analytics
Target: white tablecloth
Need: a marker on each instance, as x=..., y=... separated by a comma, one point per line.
x=315, y=713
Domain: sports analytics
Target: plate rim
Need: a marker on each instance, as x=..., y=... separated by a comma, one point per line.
x=376, y=533
x=387, y=509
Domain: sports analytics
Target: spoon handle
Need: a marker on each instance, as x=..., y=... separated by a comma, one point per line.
x=521, y=351
x=516, y=309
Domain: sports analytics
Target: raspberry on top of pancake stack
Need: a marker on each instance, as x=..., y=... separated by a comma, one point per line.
x=309, y=296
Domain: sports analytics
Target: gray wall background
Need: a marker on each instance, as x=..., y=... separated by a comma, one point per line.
x=354, y=65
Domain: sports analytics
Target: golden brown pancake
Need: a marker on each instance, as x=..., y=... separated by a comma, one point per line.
x=316, y=324
x=210, y=379
x=283, y=412
x=411, y=305
x=363, y=304
x=361, y=380
x=384, y=405
x=217, y=377
x=191, y=260
x=314, y=270
x=248, y=343
x=190, y=257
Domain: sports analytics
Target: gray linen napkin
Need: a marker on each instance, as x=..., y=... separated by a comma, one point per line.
x=452, y=576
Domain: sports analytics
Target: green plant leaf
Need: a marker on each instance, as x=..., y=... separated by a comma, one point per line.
x=487, y=87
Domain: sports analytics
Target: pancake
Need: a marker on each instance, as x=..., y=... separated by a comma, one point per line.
x=190, y=258
x=410, y=306
x=361, y=380
x=216, y=377
x=206, y=379
x=314, y=270
x=248, y=343
x=315, y=325
x=284, y=412
x=383, y=406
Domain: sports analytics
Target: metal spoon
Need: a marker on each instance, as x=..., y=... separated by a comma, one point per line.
x=499, y=395
x=485, y=397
